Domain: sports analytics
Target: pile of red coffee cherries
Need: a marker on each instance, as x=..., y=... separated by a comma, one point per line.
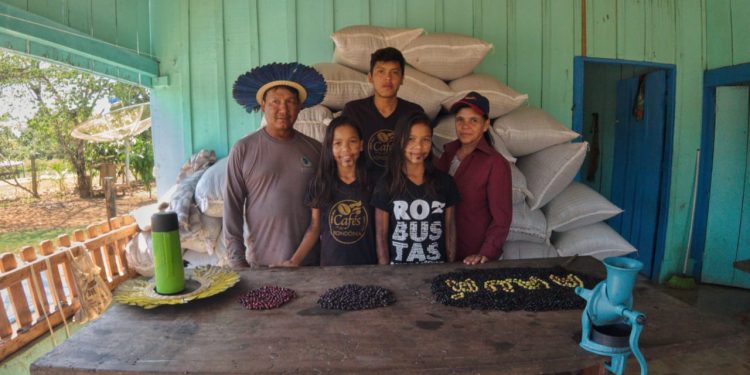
x=267, y=297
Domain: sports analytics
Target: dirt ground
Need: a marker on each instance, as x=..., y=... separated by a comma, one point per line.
x=54, y=210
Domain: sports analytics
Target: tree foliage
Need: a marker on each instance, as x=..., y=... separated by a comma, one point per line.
x=59, y=98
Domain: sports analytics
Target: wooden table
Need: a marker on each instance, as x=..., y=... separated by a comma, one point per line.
x=217, y=335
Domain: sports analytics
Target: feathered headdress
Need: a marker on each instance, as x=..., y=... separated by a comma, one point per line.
x=250, y=87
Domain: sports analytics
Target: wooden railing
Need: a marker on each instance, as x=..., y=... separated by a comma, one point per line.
x=41, y=292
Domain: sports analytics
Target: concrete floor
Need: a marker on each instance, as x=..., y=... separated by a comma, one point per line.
x=724, y=303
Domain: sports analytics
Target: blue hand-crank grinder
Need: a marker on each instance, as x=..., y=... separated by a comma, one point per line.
x=610, y=326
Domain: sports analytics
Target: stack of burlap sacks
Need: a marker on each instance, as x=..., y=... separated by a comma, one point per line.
x=552, y=215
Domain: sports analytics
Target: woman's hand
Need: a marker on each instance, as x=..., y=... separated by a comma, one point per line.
x=285, y=264
x=475, y=259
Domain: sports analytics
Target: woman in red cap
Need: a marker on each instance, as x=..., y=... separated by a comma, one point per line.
x=484, y=182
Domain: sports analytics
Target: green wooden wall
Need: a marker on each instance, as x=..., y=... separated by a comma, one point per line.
x=727, y=231
x=204, y=46
x=108, y=37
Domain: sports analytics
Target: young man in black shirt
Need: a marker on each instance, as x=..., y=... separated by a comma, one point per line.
x=377, y=114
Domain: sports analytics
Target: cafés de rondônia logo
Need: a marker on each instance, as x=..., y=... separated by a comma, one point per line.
x=347, y=221
x=379, y=146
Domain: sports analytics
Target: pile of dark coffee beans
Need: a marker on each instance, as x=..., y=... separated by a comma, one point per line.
x=356, y=297
x=509, y=289
x=267, y=297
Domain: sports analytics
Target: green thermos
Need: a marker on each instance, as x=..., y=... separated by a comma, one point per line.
x=169, y=272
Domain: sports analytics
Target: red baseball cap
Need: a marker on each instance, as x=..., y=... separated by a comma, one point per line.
x=476, y=101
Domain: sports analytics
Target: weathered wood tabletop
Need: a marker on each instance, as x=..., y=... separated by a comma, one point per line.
x=218, y=336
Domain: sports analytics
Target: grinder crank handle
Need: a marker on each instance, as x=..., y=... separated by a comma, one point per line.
x=637, y=320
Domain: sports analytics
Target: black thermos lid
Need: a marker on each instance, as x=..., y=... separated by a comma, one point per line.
x=165, y=221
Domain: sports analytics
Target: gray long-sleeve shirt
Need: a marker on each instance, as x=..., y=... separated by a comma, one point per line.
x=269, y=178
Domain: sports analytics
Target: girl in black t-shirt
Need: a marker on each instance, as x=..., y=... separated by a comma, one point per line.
x=339, y=198
x=414, y=202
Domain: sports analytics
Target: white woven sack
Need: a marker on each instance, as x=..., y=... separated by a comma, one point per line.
x=355, y=44
x=527, y=250
x=311, y=122
x=597, y=240
x=527, y=225
x=209, y=193
x=446, y=56
x=425, y=90
x=499, y=146
x=550, y=171
x=576, y=206
x=343, y=85
x=142, y=215
x=445, y=131
x=520, y=191
x=502, y=98
x=528, y=130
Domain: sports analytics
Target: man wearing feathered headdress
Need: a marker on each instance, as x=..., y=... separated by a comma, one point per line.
x=268, y=171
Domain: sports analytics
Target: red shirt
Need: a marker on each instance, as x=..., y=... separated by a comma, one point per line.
x=485, y=211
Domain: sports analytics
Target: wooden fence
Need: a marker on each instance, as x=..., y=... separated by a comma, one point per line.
x=41, y=292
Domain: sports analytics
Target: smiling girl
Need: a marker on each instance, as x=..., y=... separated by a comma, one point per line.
x=339, y=199
x=414, y=201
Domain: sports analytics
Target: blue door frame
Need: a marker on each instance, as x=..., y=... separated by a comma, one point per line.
x=578, y=84
x=727, y=76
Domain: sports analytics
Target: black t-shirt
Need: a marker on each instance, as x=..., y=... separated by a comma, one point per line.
x=377, y=130
x=416, y=222
x=347, y=226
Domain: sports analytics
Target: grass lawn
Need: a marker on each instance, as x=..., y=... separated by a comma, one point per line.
x=14, y=241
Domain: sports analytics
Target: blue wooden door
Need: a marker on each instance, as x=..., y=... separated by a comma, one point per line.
x=638, y=163
x=728, y=222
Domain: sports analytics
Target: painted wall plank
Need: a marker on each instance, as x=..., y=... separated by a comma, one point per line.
x=660, y=35
x=688, y=102
x=50, y=53
x=241, y=37
x=13, y=43
x=494, y=29
x=557, y=64
x=314, y=28
x=458, y=17
x=351, y=12
x=740, y=27
x=207, y=76
x=525, y=42
x=388, y=13
x=170, y=104
x=127, y=25
x=631, y=30
x=79, y=15
x=725, y=211
x=742, y=279
x=103, y=16
x=602, y=29
x=23, y=4
x=577, y=28
x=105, y=69
x=422, y=13
x=719, y=33
x=54, y=10
x=143, y=36
x=277, y=30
